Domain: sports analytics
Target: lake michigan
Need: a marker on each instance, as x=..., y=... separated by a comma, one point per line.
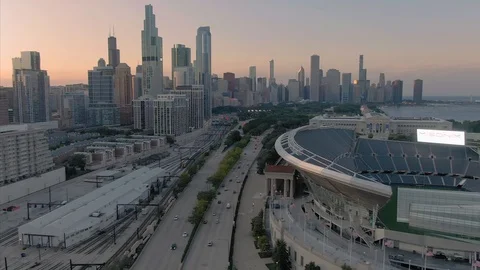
x=460, y=113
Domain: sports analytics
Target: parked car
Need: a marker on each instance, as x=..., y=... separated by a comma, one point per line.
x=210, y=244
x=440, y=255
x=396, y=257
x=173, y=246
x=185, y=234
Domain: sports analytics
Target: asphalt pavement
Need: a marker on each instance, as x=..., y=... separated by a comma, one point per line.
x=157, y=253
x=201, y=256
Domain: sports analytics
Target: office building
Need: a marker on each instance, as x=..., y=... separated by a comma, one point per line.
x=73, y=109
x=152, y=55
x=262, y=90
x=137, y=82
x=181, y=57
x=3, y=107
x=271, y=78
x=170, y=114
x=244, y=88
x=113, y=52
x=381, y=80
x=77, y=87
x=417, y=91
x=124, y=93
x=333, y=86
x=362, y=79
x=315, y=78
x=252, y=74
x=204, y=66
x=222, y=86
x=194, y=95
x=102, y=109
x=346, y=88
x=31, y=88
x=397, y=91
x=167, y=83
x=183, y=76
x=143, y=113
x=301, y=81
x=230, y=78
x=293, y=90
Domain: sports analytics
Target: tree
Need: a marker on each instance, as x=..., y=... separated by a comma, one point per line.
x=79, y=161
x=346, y=267
x=312, y=266
x=281, y=256
x=170, y=139
x=263, y=243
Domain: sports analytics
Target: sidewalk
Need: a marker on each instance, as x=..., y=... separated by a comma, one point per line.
x=245, y=256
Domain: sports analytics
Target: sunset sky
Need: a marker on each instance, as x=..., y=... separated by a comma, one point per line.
x=435, y=40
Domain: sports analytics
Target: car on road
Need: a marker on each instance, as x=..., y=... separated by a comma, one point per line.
x=214, y=214
x=176, y=217
x=173, y=246
x=185, y=234
x=234, y=192
x=440, y=255
x=230, y=180
x=210, y=244
x=219, y=202
x=205, y=221
x=396, y=257
x=226, y=189
x=238, y=181
x=228, y=205
x=223, y=185
x=217, y=221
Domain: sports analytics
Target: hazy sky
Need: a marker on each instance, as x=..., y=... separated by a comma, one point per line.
x=436, y=40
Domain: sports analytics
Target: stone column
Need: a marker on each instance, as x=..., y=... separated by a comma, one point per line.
x=285, y=181
x=292, y=189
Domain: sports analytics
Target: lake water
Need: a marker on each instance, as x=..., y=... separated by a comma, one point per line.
x=444, y=111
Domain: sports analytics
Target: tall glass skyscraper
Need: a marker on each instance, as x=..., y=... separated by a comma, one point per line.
x=203, y=66
x=152, y=55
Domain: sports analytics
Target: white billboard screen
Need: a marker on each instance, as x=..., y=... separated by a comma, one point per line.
x=441, y=136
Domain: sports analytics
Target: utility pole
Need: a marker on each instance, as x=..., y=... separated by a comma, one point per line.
x=6, y=265
x=49, y=199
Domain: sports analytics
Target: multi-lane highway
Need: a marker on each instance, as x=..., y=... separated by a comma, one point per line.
x=201, y=255
x=157, y=253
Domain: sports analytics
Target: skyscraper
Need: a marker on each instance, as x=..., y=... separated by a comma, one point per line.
x=137, y=82
x=124, y=93
x=31, y=87
x=181, y=57
x=230, y=78
x=102, y=109
x=152, y=55
x=397, y=91
x=271, y=78
x=314, y=78
x=362, y=79
x=333, y=86
x=170, y=114
x=346, y=86
x=301, y=81
x=183, y=76
x=204, y=66
x=252, y=73
x=381, y=80
x=3, y=107
x=194, y=95
x=417, y=91
x=113, y=52
x=293, y=90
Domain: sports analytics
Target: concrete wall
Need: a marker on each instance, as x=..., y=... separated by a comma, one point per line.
x=22, y=188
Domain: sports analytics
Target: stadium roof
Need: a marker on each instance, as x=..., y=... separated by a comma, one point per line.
x=77, y=214
x=389, y=162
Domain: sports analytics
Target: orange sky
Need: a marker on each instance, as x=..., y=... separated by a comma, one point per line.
x=408, y=39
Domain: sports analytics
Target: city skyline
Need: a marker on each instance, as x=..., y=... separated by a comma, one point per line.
x=447, y=68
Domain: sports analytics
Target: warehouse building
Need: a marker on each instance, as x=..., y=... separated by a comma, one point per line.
x=87, y=215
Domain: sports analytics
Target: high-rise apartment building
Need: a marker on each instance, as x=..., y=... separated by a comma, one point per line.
x=418, y=91
x=262, y=90
x=170, y=114
x=204, y=66
x=137, y=82
x=346, y=95
x=124, y=93
x=397, y=91
x=113, y=52
x=183, y=76
x=152, y=55
x=194, y=95
x=181, y=57
x=31, y=89
x=143, y=113
x=167, y=83
x=24, y=151
x=315, y=78
x=271, y=78
x=333, y=86
x=245, y=94
x=293, y=90
x=73, y=109
x=102, y=109
x=301, y=81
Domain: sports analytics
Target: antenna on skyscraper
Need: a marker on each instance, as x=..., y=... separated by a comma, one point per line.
x=109, y=31
x=114, y=30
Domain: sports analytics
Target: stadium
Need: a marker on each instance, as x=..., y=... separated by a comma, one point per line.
x=417, y=197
